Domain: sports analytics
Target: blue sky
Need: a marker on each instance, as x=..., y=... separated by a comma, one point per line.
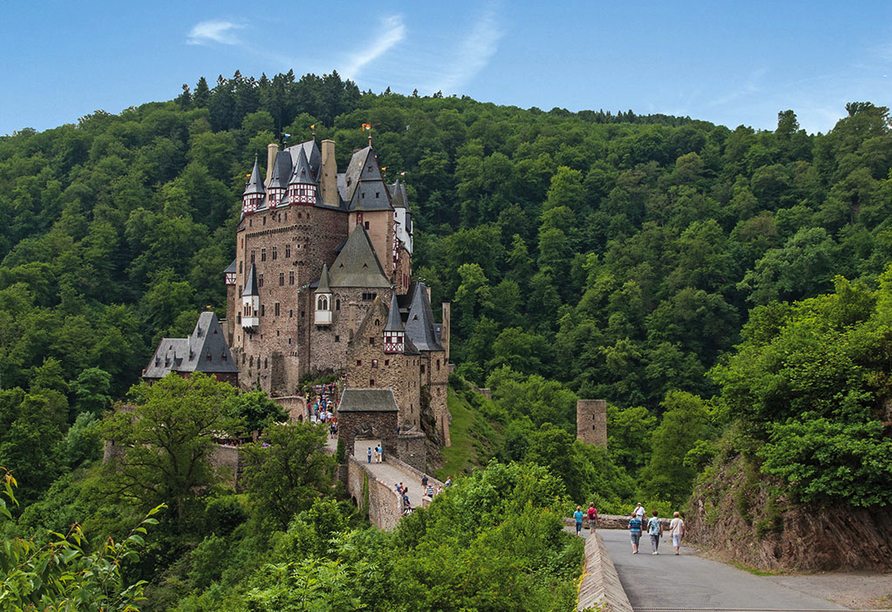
x=728, y=62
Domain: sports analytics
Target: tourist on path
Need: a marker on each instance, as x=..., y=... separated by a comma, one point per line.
x=655, y=529
x=424, y=481
x=377, y=455
x=370, y=454
x=635, y=532
x=380, y=453
x=592, y=516
x=640, y=513
x=676, y=530
x=578, y=516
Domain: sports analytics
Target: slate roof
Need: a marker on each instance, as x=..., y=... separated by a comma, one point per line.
x=363, y=186
x=324, y=281
x=302, y=174
x=255, y=183
x=251, y=282
x=281, y=171
x=368, y=400
x=231, y=268
x=205, y=350
x=420, y=326
x=398, y=196
x=394, y=321
x=357, y=265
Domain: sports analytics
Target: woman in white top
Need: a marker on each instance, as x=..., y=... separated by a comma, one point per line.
x=676, y=529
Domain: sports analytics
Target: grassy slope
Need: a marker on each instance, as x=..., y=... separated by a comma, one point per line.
x=473, y=437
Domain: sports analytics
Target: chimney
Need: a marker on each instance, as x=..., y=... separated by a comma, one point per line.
x=329, y=179
x=272, y=149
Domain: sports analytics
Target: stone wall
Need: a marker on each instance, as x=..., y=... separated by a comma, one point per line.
x=383, y=503
x=227, y=462
x=376, y=425
x=591, y=422
x=412, y=450
x=295, y=406
x=310, y=237
x=600, y=587
x=435, y=374
x=329, y=345
x=370, y=367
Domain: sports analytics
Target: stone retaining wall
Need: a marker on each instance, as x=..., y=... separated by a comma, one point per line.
x=384, y=505
x=600, y=588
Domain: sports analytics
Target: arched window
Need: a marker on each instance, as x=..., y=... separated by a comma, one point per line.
x=322, y=302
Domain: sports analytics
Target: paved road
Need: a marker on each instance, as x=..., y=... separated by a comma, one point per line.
x=689, y=581
x=388, y=472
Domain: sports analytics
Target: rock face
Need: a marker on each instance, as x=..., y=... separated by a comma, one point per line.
x=736, y=515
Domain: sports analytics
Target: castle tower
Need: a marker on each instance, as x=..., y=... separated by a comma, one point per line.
x=591, y=422
x=323, y=299
x=251, y=302
x=254, y=191
x=394, y=332
x=368, y=200
x=302, y=187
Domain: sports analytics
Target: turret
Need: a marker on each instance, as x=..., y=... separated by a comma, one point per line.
x=394, y=332
x=251, y=301
x=254, y=192
x=323, y=299
x=302, y=187
x=278, y=179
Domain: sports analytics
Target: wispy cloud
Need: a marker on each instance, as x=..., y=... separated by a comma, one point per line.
x=751, y=86
x=474, y=53
x=222, y=32
x=391, y=32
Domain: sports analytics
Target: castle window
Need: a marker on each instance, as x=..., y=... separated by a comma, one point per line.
x=275, y=253
x=359, y=362
x=337, y=338
x=260, y=280
x=386, y=362
x=291, y=278
x=374, y=363
x=422, y=365
x=263, y=314
x=377, y=322
x=277, y=312
x=377, y=194
x=287, y=249
x=371, y=342
x=438, y=365
x=263, y=252
x=208, y=358
x=243, y=357
x=251, y=362
x=264, y=220
x=322, y=302
x=250, y=222
x=371, y=382
x=337, y=304
x=266, y=363
x=253, y=255
x=300, y=216
x=240, y=266
x=238, y=318
x=281, y=278
x=366, y=225
x=290, y=313
x=286, y=216
x=223, y=356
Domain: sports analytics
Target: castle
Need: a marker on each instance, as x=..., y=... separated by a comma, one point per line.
x=322, y=282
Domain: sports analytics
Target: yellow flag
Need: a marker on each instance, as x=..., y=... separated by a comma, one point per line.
x=366, y=126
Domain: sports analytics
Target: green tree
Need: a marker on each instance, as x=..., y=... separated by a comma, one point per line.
x=167, y=441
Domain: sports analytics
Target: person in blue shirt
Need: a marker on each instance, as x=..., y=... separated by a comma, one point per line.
x=578, y=516
x=635, y=532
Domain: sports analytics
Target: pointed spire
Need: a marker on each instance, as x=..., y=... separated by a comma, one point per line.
x=280, y=172
x=255, y=183
x=251, y=282
x=394, y=321
x=303, y=174
x=324, y=281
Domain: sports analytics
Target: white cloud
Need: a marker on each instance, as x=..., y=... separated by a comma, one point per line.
x=214, y=31
x=392, y=31
x=473, y=54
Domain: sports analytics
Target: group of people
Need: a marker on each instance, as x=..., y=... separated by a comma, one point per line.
x=378, y=452
x=654, y=528
x=637, y=524
x=321, y=406
x=427, y=489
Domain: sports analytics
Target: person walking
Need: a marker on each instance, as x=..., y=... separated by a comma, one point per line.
x=655, y=529
x=424, y=481
x=380, y=453
x=676, y=530
x=578, y=516
x=635, y=532
x=370, y=454
x=592, y=516
x=640, y=513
